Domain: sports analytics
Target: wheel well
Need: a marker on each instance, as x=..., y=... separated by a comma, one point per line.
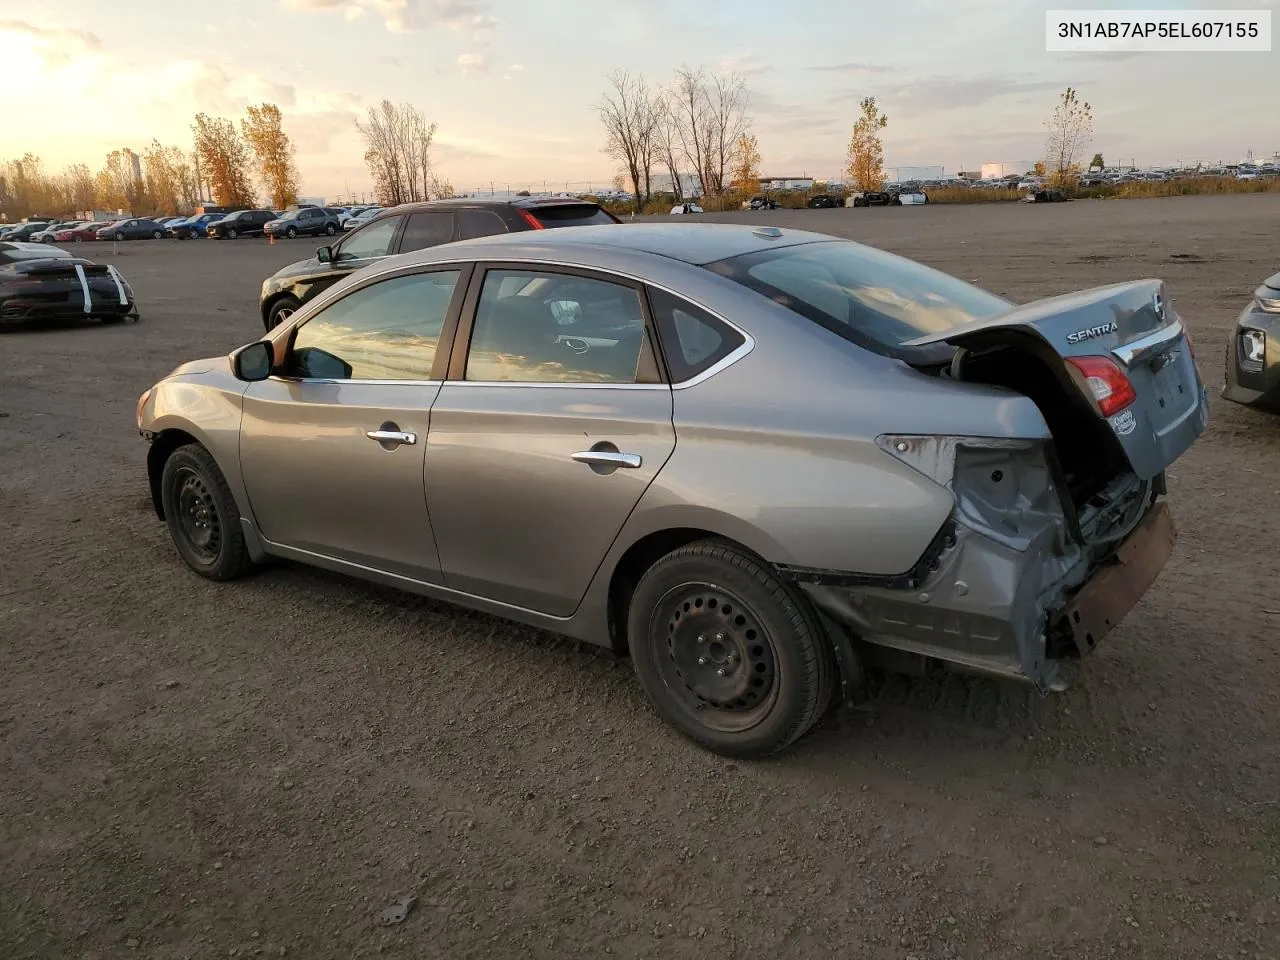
x=162, y=445
x=642, y=555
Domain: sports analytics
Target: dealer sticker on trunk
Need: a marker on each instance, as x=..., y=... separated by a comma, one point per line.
x=1124, y=422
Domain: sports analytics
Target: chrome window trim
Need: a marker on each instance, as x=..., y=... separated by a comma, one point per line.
x=378, y=383
x=748, y=342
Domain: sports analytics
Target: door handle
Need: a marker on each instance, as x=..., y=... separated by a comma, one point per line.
x=392, y=436
x=608, y=458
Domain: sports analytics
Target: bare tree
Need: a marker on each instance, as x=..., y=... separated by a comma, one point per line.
x=630, y=114
x=726, y=125
x=398, y=151
x=666, y=142
x=687, y=102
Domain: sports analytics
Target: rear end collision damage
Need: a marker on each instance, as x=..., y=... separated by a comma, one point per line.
x=1052, y=539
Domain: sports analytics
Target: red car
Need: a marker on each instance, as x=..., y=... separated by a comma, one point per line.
x=86, y=231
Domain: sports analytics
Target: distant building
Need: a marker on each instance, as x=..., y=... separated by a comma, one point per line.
x=1010, y=168
x=690, y=185
x=786, y=183
x=970, y=174
x=907, y=174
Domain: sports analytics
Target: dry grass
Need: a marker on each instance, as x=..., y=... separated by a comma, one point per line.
x=1190, y=186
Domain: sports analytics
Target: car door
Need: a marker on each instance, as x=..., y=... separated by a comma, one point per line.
x=332, y=445
x=479, y=223
x=539, y=449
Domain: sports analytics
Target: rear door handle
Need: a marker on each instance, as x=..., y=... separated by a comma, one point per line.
x=608, y=458
x=392, y=436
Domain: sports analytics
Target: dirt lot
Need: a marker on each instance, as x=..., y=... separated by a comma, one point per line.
x=200, y=770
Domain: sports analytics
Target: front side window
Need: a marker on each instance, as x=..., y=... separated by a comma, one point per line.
x=386, y=331
x=873, y=298
x=373, y=241
x=541, y=327
x=479, y=223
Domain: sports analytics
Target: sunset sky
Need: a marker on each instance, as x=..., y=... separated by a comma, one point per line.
x=512, y=83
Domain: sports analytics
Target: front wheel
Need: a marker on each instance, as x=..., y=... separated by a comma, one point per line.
x=729, y=654
x=119, y=235
x=281, y=311
x=77, y=239
x=291, y=232
x=231, y=233
x=202, y=516
x=157, y=235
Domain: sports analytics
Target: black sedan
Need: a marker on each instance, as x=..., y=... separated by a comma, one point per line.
x=242, y=223
x=135, y=228
x=1253, y=353
x=414, y=226
x=40, y=282
x=823, y=201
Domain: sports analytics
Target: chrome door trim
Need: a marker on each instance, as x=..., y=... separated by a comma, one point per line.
x=392, y=436
x=748, y=342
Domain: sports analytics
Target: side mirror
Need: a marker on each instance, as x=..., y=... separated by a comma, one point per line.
x=324, y=254
x=253, y=361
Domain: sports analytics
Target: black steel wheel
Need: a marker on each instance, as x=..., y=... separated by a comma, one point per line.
x=729, y=654
x=202, y=516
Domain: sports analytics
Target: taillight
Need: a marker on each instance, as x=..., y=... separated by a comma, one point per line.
x=1108, y=385
x=530, y=219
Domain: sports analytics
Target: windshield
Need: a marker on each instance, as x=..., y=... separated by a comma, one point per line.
x=873, y=298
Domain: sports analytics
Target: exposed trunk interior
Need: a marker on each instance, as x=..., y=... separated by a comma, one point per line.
x=1087, y=451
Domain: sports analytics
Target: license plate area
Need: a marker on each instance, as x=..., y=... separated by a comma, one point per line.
x=1115, y=589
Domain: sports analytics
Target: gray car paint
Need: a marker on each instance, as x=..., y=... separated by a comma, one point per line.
x=1259, y=388
x=780, y=450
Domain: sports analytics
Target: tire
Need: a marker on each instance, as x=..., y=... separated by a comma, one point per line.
x=729, y=654
x=281, y=310
x=330, y=229
x=291, y=232
x=157, y=235
x=231, y=233
x=119, y=235
x=77, y=239
x=202, y=516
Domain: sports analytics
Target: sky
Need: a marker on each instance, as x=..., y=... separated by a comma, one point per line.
x=513, y=84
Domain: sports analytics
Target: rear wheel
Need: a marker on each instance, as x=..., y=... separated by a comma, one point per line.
x=729, y=654
x=330, y=229
x=202, y=516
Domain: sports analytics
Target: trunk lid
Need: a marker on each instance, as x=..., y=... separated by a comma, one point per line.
x=1122, y=352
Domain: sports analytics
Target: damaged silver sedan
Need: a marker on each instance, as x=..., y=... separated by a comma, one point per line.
x=755, y=459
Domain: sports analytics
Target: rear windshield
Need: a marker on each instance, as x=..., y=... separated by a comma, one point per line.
x=571, y=215
x=875, y=299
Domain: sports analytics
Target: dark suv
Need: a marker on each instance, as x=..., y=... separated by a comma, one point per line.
x=244, y=223
x=304, y=222
x=412, y=226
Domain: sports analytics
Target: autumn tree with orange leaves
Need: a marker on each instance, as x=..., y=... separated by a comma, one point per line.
x=224, y=160
x=274, y=152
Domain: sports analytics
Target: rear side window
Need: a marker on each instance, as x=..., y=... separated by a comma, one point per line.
x=479, y=223
x=692, y=339
x=426, y=230
x=571, y=215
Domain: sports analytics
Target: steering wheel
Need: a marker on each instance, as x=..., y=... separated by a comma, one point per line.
x=576, y=344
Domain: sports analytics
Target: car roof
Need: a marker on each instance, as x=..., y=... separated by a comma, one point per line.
x=463, y=203
x=692, y=243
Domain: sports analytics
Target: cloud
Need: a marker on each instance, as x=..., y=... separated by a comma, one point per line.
x=52, y=35
x=950, y=92
x=513, y=71
x=473, y=62
x=856, y=69
x=747, y=64
x=405, y=16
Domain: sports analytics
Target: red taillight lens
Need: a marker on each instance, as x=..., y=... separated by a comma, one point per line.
x=1108, y=385
x=530, y=219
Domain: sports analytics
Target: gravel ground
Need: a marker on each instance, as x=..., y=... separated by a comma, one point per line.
x=198, y=770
